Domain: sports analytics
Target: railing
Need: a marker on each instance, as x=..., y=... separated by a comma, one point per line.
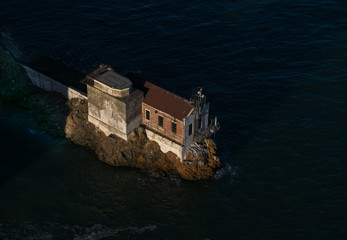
x=206, y=133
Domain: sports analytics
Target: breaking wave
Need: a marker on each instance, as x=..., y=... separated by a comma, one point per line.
x=30, y=231
x=225, y=171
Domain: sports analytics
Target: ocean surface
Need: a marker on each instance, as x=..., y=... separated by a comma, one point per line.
x=275, y=74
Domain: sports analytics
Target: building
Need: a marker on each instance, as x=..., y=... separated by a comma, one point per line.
x=114, y=106
x=171, y=120
x=118, y=104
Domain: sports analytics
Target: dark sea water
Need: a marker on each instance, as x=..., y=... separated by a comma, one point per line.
x=275, y=74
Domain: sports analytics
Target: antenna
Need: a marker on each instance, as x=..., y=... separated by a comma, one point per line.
x=198, y=100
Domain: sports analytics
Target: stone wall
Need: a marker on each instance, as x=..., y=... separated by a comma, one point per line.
x=134, y=110
x=167, y=145
x=111, y=91
x=48, y=84
x=119, y=116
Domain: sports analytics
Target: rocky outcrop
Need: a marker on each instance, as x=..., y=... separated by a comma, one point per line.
x=139, y=151
x=14, y=83
x=69, y=118
x=49, y=108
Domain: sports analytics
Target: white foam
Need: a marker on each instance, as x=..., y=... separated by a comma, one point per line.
x=225, y=170
x=32, y=231
x=97, y=232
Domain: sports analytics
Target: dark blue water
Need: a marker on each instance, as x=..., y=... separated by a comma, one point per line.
x=275, y=73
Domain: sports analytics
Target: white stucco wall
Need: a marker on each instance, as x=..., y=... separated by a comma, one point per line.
x=111, y=91
x=48, y=84
x=166, y=145
x=116, y=116
x=107, y=129
x=190, y=119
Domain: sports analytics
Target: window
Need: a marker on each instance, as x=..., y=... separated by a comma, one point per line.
x=190, y=129
x=148, y=115
x=173, y=127
x=199, y=123
x=160, y=121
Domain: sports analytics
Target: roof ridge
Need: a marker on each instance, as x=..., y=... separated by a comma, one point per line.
x=172, y=93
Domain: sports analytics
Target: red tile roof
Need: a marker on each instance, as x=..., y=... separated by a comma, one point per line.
x=165, y=101
x=160, y=98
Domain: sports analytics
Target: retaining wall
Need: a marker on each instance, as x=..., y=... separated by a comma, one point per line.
x=48, y=84
x=167, y=145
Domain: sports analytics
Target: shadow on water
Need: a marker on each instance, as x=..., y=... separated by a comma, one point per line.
x=21, y=141
x=17, y=150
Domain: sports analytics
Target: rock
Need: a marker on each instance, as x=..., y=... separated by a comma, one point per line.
x=15, y=85
x=139, y=151
x=69, y=118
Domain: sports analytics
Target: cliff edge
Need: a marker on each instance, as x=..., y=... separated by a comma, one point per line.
x=61, y=117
